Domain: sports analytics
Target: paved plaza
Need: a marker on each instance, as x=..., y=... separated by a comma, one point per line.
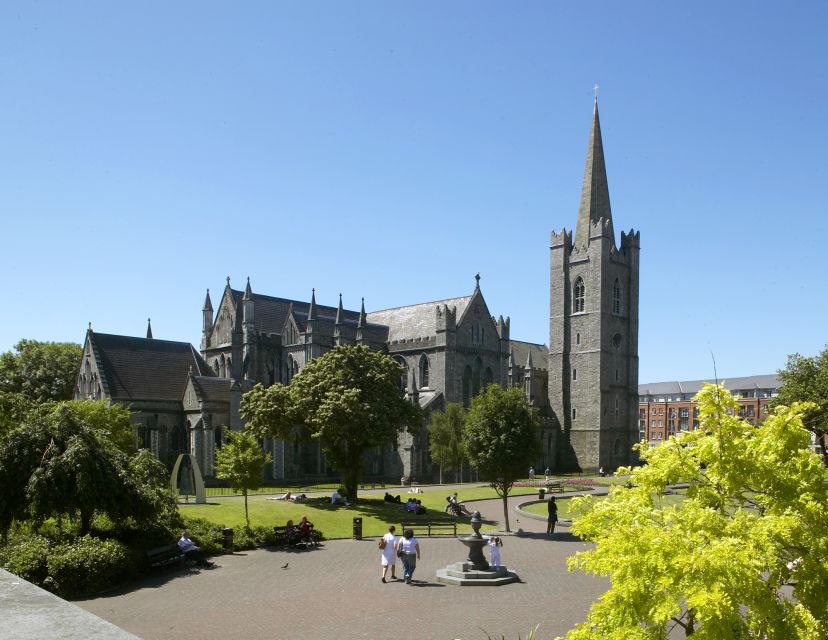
x=335, y=592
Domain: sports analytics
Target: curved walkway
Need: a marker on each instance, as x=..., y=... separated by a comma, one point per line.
x=335, y=592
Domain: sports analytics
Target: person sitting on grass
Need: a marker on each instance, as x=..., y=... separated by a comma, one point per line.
x=394, y=499
x=191, y=551
x=338, y=498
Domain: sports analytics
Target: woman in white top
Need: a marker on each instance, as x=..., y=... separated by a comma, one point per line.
x=389, y=553
x=408, y=549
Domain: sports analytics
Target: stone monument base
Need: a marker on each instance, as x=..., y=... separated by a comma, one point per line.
x=465, y=575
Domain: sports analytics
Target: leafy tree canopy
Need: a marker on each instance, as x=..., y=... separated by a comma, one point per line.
x=13, y=410
x=41, y=371
x=241, y=462
x=348, y=399
x=806, y=380
x=501, y=438
x=712, y=565
x=58, y=464
x=445, y=437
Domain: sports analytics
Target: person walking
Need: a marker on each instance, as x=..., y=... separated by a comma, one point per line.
x=388, y=544
x=531, y=474
x=552, y=508
x=408, y=548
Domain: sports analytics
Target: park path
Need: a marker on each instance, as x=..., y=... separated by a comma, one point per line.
x=335, y=592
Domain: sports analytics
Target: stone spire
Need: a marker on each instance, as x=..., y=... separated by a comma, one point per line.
x=248, y=292
x=363, y=320
x=595, y=202
x=340, y=312
x=312, y=308
x=208, y=304
x=149, y=329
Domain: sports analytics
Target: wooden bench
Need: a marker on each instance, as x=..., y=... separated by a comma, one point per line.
x=554, y=487
x=165, y=556
x=280, y=537
x=441, y=526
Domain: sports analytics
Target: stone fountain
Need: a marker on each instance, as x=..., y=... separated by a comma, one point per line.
x=475, y=571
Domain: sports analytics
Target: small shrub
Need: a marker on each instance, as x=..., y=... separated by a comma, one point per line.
x=26, y=557
x=88, y=565
x=264, y=535
x=244, y=539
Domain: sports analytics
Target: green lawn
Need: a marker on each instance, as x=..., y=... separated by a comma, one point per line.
x=337, y=521
x=540, y=508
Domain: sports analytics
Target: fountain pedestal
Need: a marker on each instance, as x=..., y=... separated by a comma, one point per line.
x=476, y=571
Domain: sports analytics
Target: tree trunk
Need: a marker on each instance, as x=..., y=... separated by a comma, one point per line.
x=441, y=473
x=86, y=521
x=246, y=515
x=506, y=510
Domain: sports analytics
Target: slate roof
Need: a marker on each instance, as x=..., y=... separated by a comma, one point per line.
x=213, y=389
x=145, y=369
x=520, y=351
x=270, y=313
x=416, y=320
x=768, y=381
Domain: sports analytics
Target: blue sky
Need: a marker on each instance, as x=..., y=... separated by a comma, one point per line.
x=392, y=150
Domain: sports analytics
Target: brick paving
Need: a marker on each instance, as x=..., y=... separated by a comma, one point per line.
x=335, y=592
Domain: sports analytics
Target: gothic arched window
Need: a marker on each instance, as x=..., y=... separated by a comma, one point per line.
x=423, y=371
x=404, y=374
x=616, y=297
x=579, y=296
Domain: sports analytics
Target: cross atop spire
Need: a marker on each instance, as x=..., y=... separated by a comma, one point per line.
x=477, y=281
x=595, y=201
x=149, y=329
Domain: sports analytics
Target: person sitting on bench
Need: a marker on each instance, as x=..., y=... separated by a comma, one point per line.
x=191, y=551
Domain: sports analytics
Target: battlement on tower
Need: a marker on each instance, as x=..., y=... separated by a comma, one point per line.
x=631, y=240
x=564, y=238
x=446, y=318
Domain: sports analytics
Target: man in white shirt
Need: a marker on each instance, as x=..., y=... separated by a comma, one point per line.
x=191, y=551
x=336, y=498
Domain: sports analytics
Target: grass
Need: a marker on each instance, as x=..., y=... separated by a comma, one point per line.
x=540, y=508
x=337, y=521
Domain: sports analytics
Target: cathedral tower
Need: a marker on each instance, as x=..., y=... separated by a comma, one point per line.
x=593, y=329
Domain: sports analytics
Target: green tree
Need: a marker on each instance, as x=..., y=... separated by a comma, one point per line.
x=806, y=380
x=501, y=438
x=713, y=564
x=56, y=464
x=241, y=462
x=348, y=400
x=13, y=410
x=41, y=371
x=445, y=437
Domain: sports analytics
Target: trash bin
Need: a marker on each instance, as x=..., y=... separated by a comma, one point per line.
x=357, y=528
x=541, y=493
x=227, y=540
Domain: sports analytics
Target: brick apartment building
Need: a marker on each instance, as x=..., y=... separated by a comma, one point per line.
x=665, y=408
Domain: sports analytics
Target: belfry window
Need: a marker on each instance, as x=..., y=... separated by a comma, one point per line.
x=579, y=296
x=616, y=297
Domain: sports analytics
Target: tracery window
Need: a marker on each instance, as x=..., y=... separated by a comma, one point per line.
x=579, y=296
x=424, y=371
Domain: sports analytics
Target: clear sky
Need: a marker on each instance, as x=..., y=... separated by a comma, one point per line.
x=391, y=150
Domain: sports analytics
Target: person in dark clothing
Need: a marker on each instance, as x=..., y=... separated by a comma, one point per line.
x=552, y=508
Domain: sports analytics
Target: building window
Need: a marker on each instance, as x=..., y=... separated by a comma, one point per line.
x=579, y=296
x=683, y=413
x=423, y=371
x=616, y=297
x=577, y=338
x=574, y=374
x=616, y=375
x=573, y=414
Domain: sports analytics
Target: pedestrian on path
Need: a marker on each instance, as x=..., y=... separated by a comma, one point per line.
x=408, y=548
x=552, y=507
x=494, y=547
x=388, y=544
x=531, y=473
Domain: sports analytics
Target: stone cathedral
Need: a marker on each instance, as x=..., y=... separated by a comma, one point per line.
x=584, y=385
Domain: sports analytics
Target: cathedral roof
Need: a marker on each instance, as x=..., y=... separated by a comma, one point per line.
x=146, y=369
x=270, y=312
x=522, y=350
x=213, y=389
x=416, y=320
